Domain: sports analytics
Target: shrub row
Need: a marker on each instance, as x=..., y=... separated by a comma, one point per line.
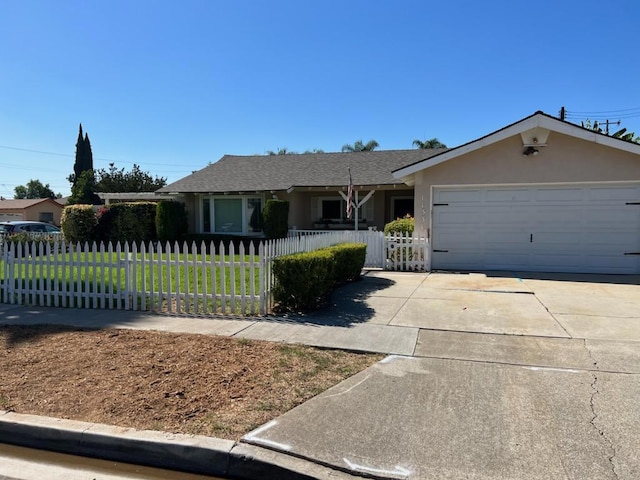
x=304, y=281
x=29, y=238
x=125, y=222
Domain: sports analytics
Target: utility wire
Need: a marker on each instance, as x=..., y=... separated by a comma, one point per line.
x=629, y=115
x=605, y=112
x=96, y=158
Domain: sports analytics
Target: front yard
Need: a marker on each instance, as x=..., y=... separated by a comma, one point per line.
x=181, y=383
x=194, y=283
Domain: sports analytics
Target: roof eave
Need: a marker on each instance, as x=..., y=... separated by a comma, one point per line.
x=536, y=120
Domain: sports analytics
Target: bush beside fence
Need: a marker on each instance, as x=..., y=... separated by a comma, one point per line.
x=303, y=281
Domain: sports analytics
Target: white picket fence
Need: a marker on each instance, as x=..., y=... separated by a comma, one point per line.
x=174, y=278
x=400, y=251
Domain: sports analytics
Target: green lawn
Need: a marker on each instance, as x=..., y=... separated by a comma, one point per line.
x=100, y=280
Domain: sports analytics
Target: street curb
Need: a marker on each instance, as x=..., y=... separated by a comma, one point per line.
x=188, y=453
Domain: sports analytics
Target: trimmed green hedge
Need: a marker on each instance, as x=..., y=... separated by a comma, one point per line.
x=171, y=220
x=304, y=281
x=400, y=225
x=78, y=223
x=348, y=260
x=127, y=222
x=275, y=219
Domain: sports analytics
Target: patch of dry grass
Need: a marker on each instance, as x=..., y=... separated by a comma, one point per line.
x=181, y=383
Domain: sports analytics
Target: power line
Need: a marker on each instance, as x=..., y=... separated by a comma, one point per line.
x=96, y=158
x=576, y=116
x=606, y=112
x=35, y=151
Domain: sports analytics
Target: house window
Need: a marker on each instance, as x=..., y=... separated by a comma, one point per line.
x=46, y=217
x=231, y=214
x=401, y=206
x=332, y=209
x=227, y=215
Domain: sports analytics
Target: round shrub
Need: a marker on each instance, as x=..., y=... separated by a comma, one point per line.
x=400, y=225
x=78, y=223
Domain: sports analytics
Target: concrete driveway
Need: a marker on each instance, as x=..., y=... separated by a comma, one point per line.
x=512, y=377
x=603, y=307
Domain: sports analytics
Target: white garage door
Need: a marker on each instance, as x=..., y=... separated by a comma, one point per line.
x=585, y=228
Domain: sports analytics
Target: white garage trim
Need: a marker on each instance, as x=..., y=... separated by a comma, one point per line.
x=551, y=227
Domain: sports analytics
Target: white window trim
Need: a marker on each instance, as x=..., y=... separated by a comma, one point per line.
x=245, y=221
x=362, y=211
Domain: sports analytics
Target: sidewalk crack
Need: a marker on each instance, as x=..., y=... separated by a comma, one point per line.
x=601, y=432
x=552, y=316
x=593, y=359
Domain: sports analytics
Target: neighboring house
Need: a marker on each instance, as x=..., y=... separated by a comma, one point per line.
x=229, y=195
x=538, y=195
x=39, y=210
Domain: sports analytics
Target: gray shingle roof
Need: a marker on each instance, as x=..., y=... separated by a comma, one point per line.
x=280, y=172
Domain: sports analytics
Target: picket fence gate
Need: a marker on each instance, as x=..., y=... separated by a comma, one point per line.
x=397, y=251
x=174, y=278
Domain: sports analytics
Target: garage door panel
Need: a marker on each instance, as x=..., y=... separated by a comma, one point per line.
x=608, y=194
x=506, y=262
x=569, y=216
x=612, y=238
x=558, y=195
x=559, y=258
x=555, y=241
x=508, y=195
x=500, y=238
x=578, y=228
x=457, y=261
x=622, y=217
x=515, y=218
x=461, y=195
x=615, y=263
x=461, y=216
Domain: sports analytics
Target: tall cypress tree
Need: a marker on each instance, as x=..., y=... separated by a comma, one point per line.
x=84, y=156
x=87, y=161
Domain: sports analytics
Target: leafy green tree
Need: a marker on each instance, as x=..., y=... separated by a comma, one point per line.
x=285, y=151
x=119, y=181
x=358, y=146
x=82, y=192
x=622, y=134
x=84, y=157
x=281, y=151
x=34, y=189
x=429, y=144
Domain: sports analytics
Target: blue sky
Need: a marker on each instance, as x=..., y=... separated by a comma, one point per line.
x=173, y=86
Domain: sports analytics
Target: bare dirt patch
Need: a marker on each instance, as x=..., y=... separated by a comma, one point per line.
x=181, y=383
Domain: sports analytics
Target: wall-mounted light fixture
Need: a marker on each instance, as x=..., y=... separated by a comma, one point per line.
x=533, y=140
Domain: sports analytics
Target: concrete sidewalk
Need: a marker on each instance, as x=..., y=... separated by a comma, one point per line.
x=502, y=377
